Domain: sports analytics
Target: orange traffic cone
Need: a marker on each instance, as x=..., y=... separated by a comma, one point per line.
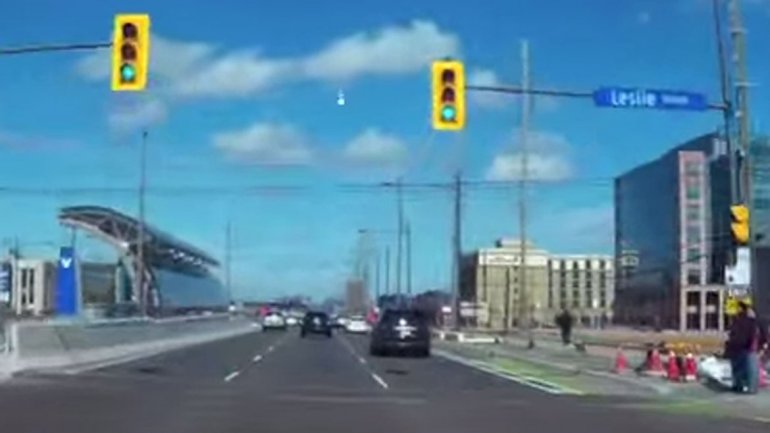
x=621, y=362
x=654, y=365
x=690, y=368
x=673, y=368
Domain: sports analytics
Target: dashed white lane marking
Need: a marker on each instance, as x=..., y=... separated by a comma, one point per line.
x=362, y=361
x=232, y=376
x=270, y=349
x=257, y=358
x=379, y=380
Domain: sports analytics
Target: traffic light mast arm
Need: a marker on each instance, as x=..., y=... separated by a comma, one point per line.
x=54, y=47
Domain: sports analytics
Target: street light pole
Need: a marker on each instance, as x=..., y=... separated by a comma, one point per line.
x=387, y=270
x=141, y=286
x=408, y=258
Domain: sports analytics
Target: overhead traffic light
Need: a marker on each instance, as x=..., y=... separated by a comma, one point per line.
x=740, y=224
x=448, y=95
x=130, y=52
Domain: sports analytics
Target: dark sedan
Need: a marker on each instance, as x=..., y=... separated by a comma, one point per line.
x=316, y=323
x=401, y=331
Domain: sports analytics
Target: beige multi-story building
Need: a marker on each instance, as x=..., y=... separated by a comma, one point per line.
x=584, y=284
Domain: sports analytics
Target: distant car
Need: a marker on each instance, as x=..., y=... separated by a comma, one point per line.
x=274, y=321
x=341, y=322
x=316, y=323
x=401, y=331
x=357, y=325
x=292, y=321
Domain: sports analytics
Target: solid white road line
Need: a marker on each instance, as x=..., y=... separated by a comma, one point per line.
x=361, y=360
x=522, y=380
x=232, y=376
x=257, y=358
x=379, y=380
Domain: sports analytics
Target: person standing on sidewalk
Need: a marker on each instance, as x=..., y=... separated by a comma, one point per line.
x=754, y=356
x=742, y=347
x=565, y=321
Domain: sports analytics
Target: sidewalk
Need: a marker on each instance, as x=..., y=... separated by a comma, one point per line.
x=591, y=373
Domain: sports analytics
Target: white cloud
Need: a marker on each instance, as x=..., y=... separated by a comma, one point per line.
x=391, y=50
x=235, y=75
x=375, y=148
x=138, y=114
x=491, y=100
x=169, y=60
x=486, y=77
x=547, y=159
x=195, y=69
x=539, y=167
x=265, y=143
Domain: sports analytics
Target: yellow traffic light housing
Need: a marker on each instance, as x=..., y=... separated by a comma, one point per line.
x=130, y=52
x=448, y=95
x=740, y=223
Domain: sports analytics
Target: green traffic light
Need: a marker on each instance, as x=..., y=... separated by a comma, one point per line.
x=127, y=73
x=448, y=113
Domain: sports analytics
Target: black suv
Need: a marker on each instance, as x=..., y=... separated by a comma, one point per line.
x=316, y=323
x=401, y=331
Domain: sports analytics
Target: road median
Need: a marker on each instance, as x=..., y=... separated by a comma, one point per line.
x=74, y=346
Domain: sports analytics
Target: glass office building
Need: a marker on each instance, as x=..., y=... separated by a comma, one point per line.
x=671, y=236
x=760, y=153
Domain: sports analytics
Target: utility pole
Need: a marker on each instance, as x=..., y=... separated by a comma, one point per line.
x=457, y=247
x=141, y=285
x=408, y=234
x=400, y=223
x=727, y=113
x=738, y=36
x=524, y=135
x=228, y=261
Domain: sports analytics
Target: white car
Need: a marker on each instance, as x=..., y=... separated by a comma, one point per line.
x=274, y=321
x=357, y=325
x=292, y=321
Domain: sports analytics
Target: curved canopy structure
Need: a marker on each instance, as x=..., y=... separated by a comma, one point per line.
x=122, y=231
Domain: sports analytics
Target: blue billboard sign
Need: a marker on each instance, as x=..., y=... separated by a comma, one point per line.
x=617, y=97
x=66, y=298
x=6, y=282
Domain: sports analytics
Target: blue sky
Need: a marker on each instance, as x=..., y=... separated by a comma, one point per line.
x=244, y=94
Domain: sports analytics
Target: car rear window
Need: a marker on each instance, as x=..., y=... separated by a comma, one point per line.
x=321, y=316
x=410, y=316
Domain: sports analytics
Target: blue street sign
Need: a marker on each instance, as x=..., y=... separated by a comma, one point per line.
x=617, y=97
x=66, y=283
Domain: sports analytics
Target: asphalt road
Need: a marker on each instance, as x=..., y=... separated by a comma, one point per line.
x=278, y=382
